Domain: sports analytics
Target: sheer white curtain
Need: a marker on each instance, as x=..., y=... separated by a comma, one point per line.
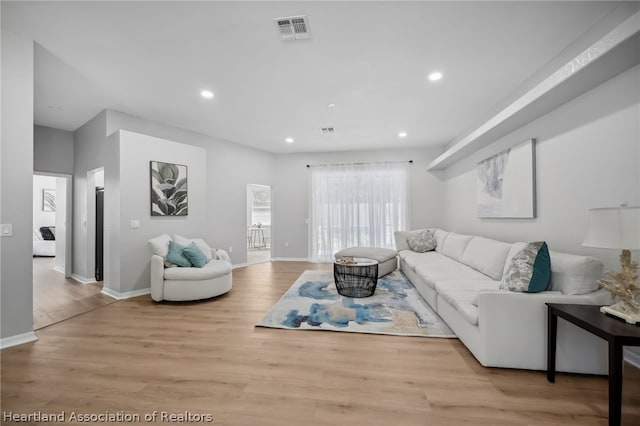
x=357, y=205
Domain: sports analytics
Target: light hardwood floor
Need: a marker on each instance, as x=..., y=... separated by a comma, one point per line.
x=138, y=356
x=56, y=298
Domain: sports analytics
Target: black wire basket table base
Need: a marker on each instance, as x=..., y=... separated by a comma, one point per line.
x=356, y=280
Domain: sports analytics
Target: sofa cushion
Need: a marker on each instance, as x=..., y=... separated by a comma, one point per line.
x=405, y=253
x=487, y=256
x=413, y=259
x=375, y=253
x=213, y=269
x=440, y=235
x=462, y=300
x=423, y=242
x=176, y=256
x=401, y=238
x=195, y=255
x=467, y=285
x=442, y=270
x=530, y=269
x=574, y=274
x=202, y=245
x=160, y=246
x=454, y=245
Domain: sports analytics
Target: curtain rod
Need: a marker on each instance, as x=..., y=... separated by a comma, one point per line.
x=354, y=164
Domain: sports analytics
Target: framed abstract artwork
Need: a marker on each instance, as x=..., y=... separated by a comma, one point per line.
x=506, y=183
x=48, y=200
x=169, y=194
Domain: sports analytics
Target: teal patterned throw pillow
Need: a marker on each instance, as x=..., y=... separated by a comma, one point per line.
x=195, y=255
x=175, y=255
x=530, y=269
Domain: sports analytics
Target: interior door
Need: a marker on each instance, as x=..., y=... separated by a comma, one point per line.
x=99, y=234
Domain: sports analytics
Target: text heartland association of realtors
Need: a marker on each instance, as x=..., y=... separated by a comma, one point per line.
x=107, y=417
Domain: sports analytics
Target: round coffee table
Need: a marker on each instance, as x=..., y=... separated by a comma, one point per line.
x=358, y=279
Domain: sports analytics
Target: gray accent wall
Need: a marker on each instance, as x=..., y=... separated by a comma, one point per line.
x=53, y=150
x=230, y=167
x=587, y=155
x=115, y=141
x=136, y=151
x=16, y=185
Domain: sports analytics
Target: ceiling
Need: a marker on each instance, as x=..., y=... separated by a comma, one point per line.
x=370, y=59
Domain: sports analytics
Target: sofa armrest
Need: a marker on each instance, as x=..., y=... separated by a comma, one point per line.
x=514, y=326
x=495, y=306
x=157, y=277
x=222, y=255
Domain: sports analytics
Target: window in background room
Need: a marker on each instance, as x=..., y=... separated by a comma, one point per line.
x=357, y=205
x=261, y=206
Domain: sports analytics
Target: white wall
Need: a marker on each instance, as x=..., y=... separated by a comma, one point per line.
x=62, y=251
x=52, y=150
x=290, y=193
x=136, y=151
x=587, y=155
x=16, y=183
x=40, y=217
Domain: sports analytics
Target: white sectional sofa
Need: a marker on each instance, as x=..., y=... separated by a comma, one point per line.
x=460, y=279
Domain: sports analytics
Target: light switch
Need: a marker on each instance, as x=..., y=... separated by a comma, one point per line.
x=134, y=224
x=7, y=230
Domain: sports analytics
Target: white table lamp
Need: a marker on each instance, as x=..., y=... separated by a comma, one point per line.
x=618, y=228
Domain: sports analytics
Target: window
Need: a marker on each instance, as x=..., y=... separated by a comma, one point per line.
x=261, y=207
x=357, y=205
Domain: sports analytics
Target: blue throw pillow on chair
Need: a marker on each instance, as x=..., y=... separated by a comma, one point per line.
x=176, y=256
x=195, y=255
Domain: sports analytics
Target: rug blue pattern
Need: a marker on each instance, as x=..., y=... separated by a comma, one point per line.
x=313, y=303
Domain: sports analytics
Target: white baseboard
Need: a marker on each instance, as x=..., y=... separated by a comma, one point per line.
x=83, y=280
x=290, y=259
x=239, y=265
x=126, y=294
x=19, y=339
x=59, y=269
x=632, y=357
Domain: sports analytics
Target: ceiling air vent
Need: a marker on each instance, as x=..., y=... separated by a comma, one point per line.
x=293, y=27
x=327, y=130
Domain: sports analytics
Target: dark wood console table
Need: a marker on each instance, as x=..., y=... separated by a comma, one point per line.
x=616, y=332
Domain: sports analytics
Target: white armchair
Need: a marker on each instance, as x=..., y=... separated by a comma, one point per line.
x=189, y=283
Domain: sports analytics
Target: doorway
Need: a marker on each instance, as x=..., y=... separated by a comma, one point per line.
x=51, y=212
x=259, y=231
x=99, y=233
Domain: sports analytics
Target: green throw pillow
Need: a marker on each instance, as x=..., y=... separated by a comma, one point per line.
x=195, y=255
x=176, y=256
x=530, y=269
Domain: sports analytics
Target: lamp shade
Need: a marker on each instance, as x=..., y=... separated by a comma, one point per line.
x=614, y=228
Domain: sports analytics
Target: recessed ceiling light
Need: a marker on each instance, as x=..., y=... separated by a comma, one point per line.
x=435, y=76
x=331, y=106
x=289, y=140
x=402, y=134
x=207, y=94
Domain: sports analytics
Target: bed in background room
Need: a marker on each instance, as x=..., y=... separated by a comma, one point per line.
x=44, y=241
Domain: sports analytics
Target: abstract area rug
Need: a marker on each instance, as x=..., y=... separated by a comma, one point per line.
x=313, y=303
